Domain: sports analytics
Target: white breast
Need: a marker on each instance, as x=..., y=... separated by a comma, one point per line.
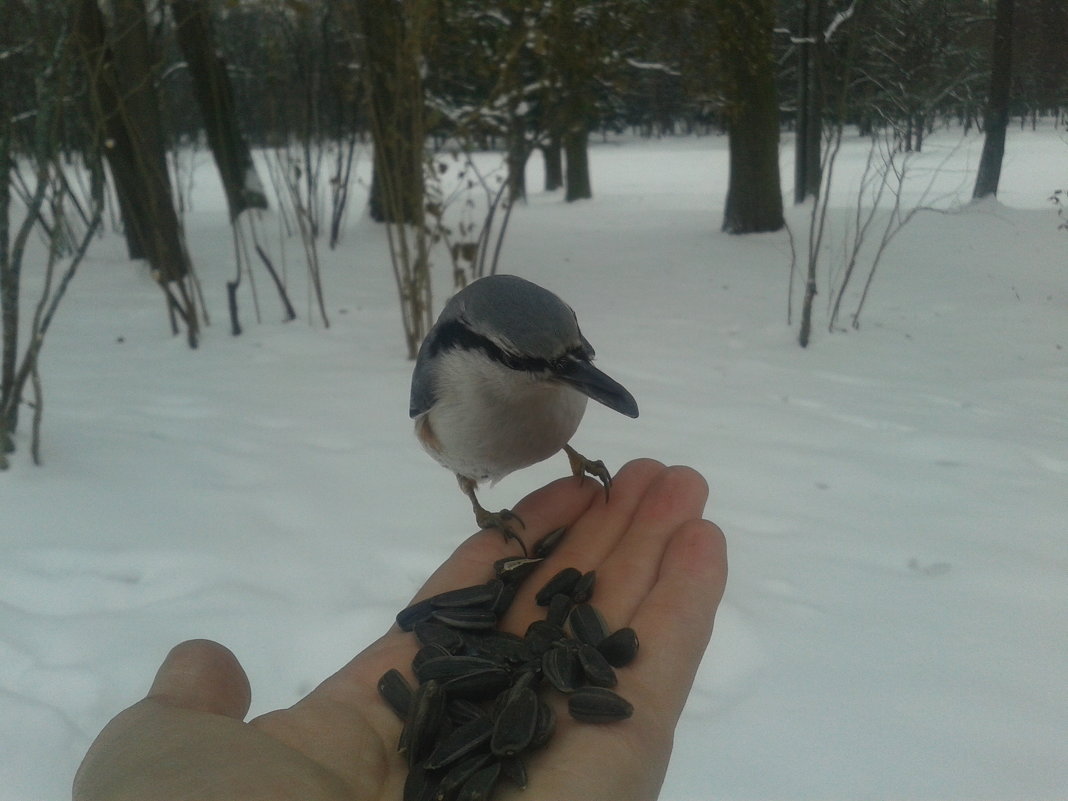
x=490, y=420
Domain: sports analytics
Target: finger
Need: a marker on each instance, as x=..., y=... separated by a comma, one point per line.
x=203, y=676
x=631, y=570
x=554, y=505
x=591, y=538
x=596, y=534
x=676, y=617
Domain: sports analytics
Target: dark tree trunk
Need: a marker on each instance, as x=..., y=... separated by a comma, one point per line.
x=578, y=165
x=754, y=192
x=215, y=97
x=121, y=69
x=554, y=164
x=808, y=139
x=518, y=153
x=997, y=108
x=395, y=97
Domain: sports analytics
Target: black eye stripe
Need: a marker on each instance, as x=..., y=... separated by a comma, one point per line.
x=454, y=334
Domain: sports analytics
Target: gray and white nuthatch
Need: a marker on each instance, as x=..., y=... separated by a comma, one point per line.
x=501, y=383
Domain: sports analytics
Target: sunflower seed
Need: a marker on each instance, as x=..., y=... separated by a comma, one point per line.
x=461, y=710
x=479, y=685
x=587, y=624
x=426, y=653
x=479, y=786
x=545, y=726
x=583, y=589
x=559, y=606
x=396, y=691
x=462, y=617
x=459, y=773
x=425, y=715
x=513, y=569
x=598, y=705
x=546, y=544
x=478, y=595
x=501, y=646
x=416, y=613
x=513, y=727
x=514, y=769
x=460, y=742
x=541, y=635
x=431, y=633
x=420, y=785
x=562, y=583
x=619, y=647
x=561, y=668
x=596, y=668
x=448, y=667
x=504, y=599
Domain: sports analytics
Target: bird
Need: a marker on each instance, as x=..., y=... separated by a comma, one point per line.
x=501, y=382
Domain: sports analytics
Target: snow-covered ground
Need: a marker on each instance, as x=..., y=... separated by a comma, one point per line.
x=895, y=498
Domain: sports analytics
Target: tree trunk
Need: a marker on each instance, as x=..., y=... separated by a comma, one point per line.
x=395, y=96
x=754, y=192
x=808, y=139
x=215, y=97
x=578, y=165
x=121, y=69
x=554, y=164
x=997, y=108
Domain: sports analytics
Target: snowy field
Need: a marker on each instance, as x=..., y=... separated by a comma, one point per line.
x=895, y=498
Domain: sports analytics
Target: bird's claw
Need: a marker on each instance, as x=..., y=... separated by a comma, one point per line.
x=502, y=521
x=581, y=467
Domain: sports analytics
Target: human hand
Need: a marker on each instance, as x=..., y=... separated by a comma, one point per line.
x=661, y=569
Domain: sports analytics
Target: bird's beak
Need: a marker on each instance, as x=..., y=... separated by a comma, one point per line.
x=587, y=379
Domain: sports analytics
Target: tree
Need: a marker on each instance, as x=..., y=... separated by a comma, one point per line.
x=754, y=193
x=997, y=108
x=808, y=139
x=392, y=48
x=215, y=97
x=121, y=66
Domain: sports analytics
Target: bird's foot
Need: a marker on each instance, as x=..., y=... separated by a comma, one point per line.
x=581, y=467
x=502, y=521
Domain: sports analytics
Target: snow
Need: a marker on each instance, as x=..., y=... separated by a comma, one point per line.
x=894, y=497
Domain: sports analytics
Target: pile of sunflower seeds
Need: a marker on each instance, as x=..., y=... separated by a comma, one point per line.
x=478, y=707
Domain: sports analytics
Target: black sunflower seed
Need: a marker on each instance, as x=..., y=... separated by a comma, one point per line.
x=396, y=691
x=562, y=583
x=620, y=647
x=479, y=685
x=559, y=606
x=459, y=773
x=560, y=666
x=431, y=633
x=425, y=716
x=463, y=617
x=460, y=742
x=513, y=726
x=546, y=544
x=480, y=786
x=587, y=624
x=416, y=613
x=595, y=667
x=478, y=595
x=583, y=589
x=513, y=569
x=448, y=667
x=598, y=705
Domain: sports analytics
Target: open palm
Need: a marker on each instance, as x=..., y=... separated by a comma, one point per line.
x=661, y=569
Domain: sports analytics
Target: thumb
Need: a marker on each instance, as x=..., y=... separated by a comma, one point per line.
x=203, y=676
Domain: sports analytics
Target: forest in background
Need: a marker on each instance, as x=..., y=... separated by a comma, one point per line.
x=98, y=101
